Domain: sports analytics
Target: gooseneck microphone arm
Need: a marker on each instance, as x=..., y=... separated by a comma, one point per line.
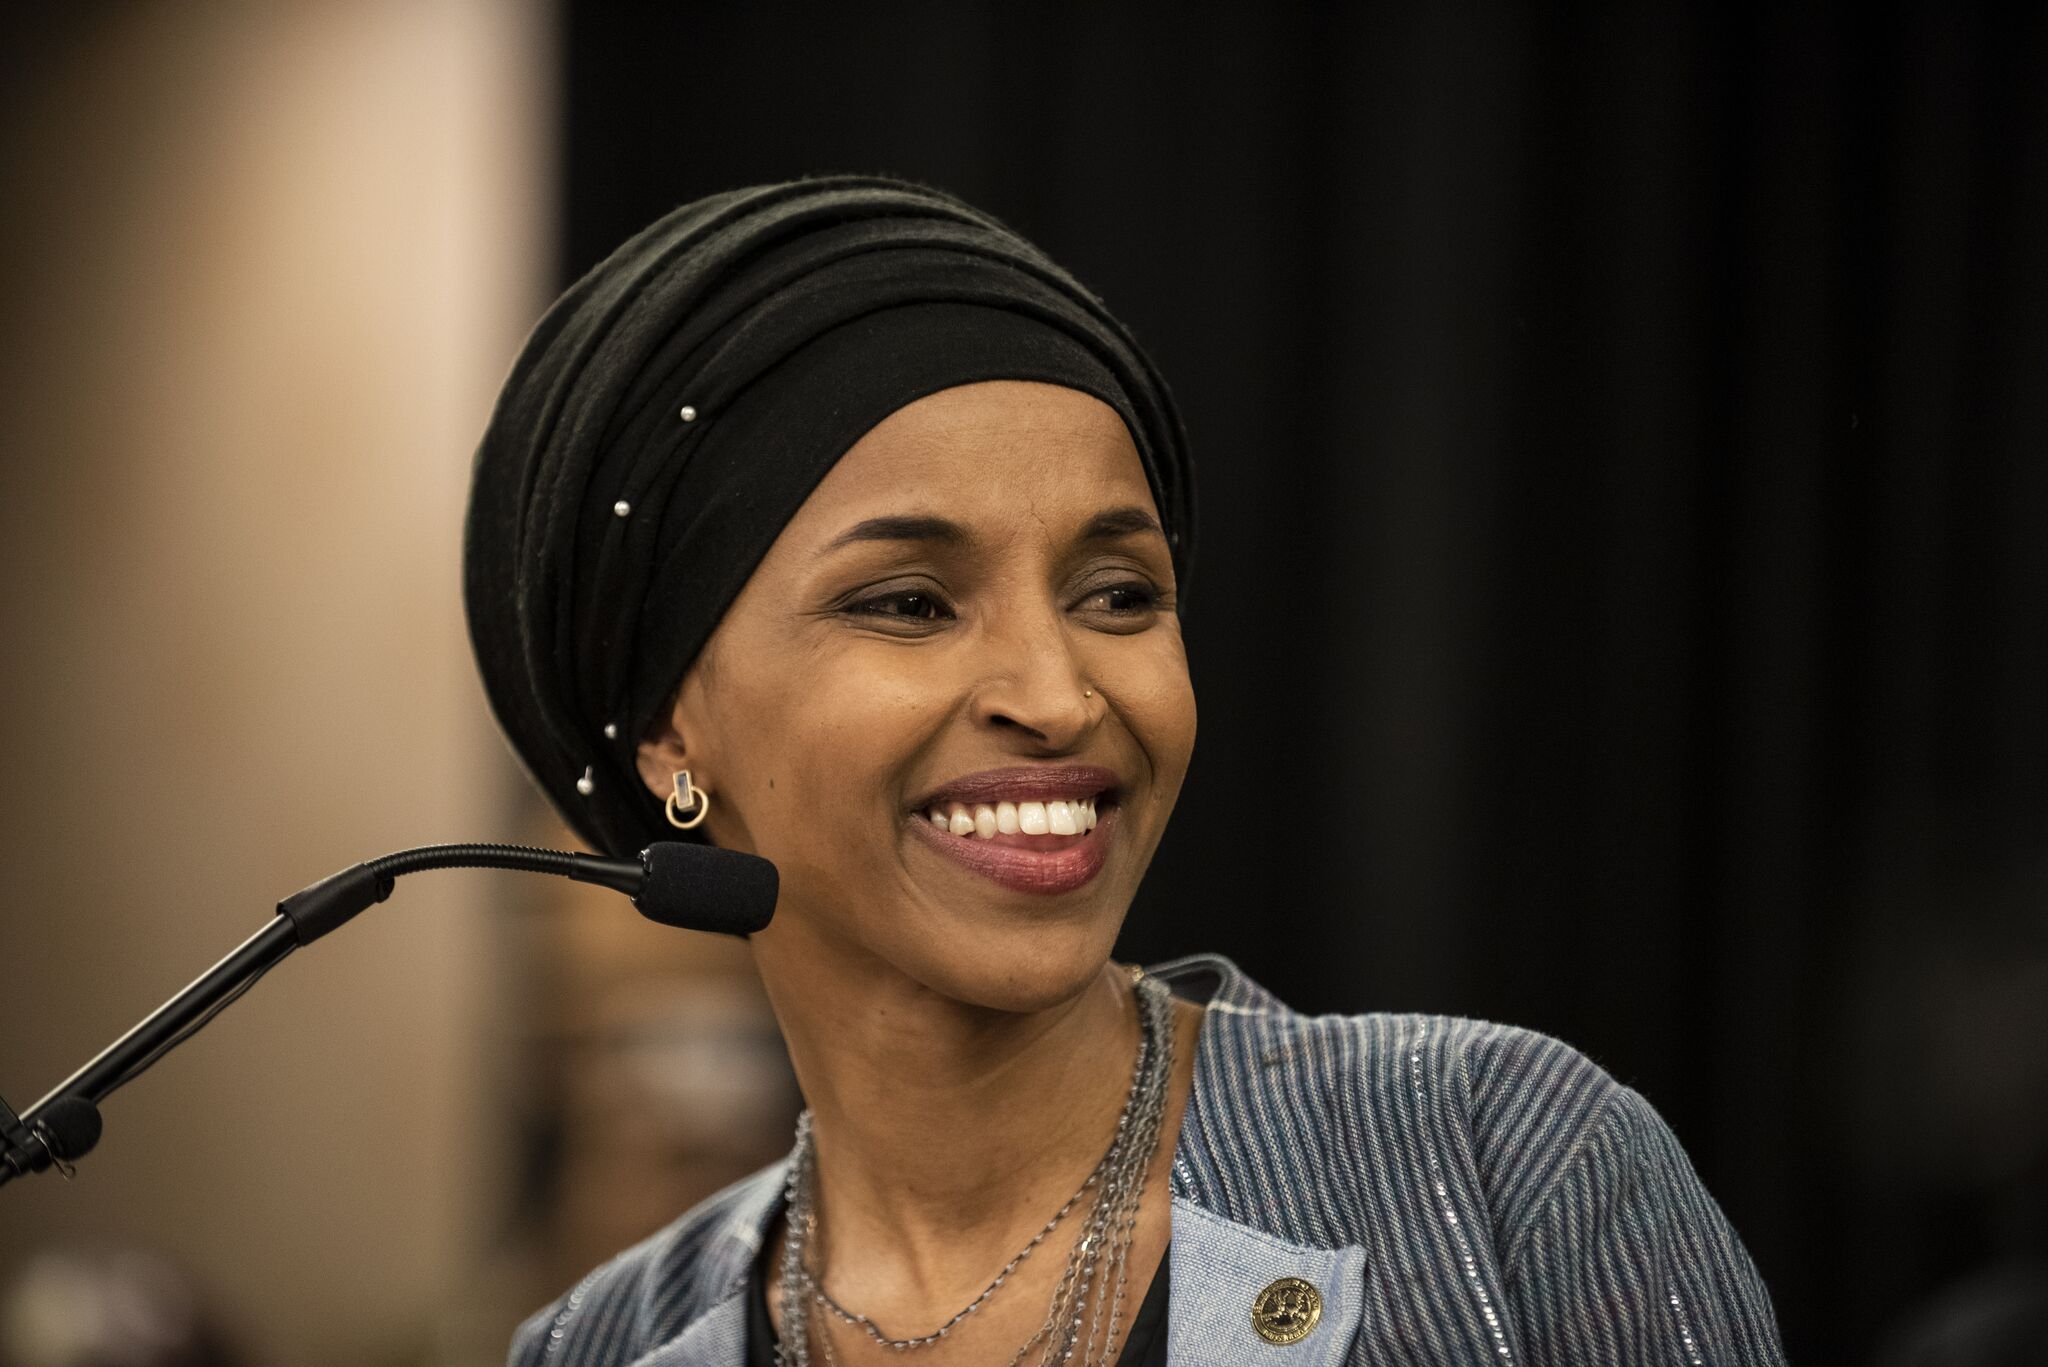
x=692, y=886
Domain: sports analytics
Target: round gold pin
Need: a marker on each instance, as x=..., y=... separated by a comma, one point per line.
x=1287, y=1310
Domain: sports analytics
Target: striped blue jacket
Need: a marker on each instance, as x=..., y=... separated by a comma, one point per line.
x=1457, y=1192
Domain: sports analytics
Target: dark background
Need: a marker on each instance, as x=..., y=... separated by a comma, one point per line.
x=1619, y=601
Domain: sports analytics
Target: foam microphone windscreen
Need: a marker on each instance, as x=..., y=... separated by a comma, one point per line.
x=70, y=1125
x=701, y=887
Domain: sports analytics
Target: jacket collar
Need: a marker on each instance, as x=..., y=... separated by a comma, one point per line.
x=1222, y=1266
x=1234, y=1007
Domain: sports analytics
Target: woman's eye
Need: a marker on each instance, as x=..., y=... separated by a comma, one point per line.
x=906, y=604
x=1124, y=599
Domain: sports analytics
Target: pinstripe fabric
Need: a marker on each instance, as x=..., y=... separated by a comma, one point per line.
x=1461, y=1192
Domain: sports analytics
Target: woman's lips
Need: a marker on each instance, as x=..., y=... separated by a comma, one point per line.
x=1027, y=863
x=1022, y=781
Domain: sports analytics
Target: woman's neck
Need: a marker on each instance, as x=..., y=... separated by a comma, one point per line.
x=948, y=1133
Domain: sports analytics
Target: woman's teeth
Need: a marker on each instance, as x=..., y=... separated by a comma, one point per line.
x=985, y=821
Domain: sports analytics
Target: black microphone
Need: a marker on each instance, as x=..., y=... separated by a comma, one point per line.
x=691, y=887
x=699, y=887
x=694, y=887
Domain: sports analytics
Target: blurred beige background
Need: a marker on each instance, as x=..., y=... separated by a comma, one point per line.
x=264, y=266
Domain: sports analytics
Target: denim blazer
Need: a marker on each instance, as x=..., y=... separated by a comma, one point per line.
x=1453, y=1191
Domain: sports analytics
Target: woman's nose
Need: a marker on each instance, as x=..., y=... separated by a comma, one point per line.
x=1033, y=680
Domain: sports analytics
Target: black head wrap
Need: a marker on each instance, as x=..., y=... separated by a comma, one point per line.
x=673, y=410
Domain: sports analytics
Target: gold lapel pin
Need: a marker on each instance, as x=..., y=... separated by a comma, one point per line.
x=1286, y=1311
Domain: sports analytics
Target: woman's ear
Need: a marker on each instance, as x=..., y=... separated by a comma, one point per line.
x=661, y=754
x=667, y=747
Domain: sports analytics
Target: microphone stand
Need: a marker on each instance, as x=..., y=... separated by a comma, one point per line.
x=65, y=1124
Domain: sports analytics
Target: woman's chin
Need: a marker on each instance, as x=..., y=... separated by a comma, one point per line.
x=964, y=938
x=1020, y=969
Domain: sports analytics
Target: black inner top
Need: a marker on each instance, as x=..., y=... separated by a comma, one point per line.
x=1144, y=1346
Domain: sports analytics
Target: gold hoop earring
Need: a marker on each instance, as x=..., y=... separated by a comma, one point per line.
x=695, y=801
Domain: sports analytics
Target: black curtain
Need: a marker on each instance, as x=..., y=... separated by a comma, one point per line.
x=1623, y=441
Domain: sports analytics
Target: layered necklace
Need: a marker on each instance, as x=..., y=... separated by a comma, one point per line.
x=1086, y=1315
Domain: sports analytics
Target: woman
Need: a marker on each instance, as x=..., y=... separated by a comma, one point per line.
x=832, y=522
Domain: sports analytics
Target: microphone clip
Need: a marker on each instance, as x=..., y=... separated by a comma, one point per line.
x=30, y=1148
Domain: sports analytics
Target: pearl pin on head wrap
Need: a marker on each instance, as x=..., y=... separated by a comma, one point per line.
x=672, y=411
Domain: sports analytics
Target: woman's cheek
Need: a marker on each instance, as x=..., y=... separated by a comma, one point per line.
x=1157, y=699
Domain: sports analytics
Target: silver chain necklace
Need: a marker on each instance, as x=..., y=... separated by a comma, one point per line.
x=1090, y=1291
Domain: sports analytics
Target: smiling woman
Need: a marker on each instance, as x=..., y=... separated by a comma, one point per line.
x=832, y=522
x=983, y=583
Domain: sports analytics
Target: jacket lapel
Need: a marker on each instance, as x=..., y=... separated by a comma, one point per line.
x=1220, y=1269
x=716, y=1338
x=1222, y=1266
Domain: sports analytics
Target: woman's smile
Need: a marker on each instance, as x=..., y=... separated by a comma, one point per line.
x=1032, y=828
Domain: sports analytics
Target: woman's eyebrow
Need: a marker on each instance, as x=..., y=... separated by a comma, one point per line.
x=1116, y=522
x=901, y=528
x=1107, y=525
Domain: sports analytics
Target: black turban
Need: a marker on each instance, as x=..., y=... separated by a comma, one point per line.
x=673, y=410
